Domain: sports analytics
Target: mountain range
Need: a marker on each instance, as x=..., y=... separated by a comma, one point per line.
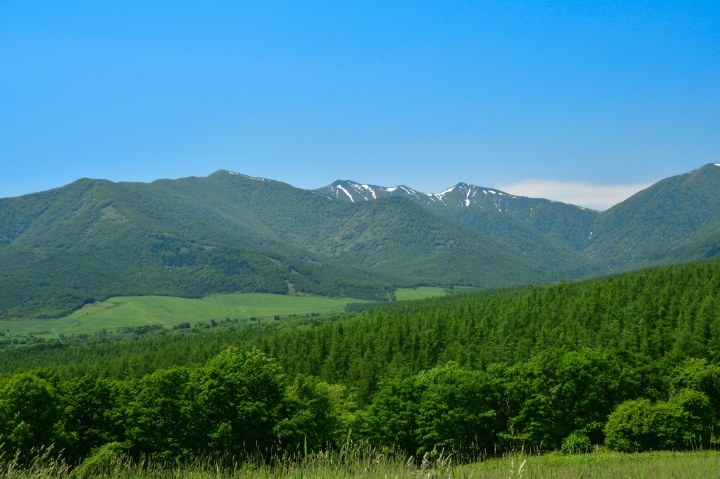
x=227, y=232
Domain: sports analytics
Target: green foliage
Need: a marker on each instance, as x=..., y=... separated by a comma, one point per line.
x=576, y=443
x=30, y=415
x=91, y=414
x=562, y=394
x=106, y=457
x=160, y=415
x=654, y=313
x=445, y=408
x=683, y=422
x=310, y=419
x=239, y=394
x=697, y=419
x=699, y=375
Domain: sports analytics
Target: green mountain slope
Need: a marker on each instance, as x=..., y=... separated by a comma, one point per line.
x=485, y=209
x=227, y=232
x=542, y=231
x=232, y=233
x=95, y=239
x=392, y=237
x=676, y=219
x=548, y=232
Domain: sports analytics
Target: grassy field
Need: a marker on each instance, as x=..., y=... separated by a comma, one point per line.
x=135, y=311
x=407, y=294
x=656, y=465
x=338, y=465
x=167, y=311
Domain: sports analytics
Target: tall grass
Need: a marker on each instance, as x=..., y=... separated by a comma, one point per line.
x=370, y=463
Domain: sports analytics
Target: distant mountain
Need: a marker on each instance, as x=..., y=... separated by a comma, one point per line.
x=544, y=231
x=229, y=232
x=484, y=209
x=674, y=220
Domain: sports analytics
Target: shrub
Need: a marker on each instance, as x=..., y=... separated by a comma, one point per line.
x=107, y=457
x=683, y=422
x=576, y=443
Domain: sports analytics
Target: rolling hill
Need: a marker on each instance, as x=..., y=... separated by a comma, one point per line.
x=228, y=232
x=191, y=237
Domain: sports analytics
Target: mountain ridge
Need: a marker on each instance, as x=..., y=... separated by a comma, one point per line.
x=232, y=232
x=352, y=191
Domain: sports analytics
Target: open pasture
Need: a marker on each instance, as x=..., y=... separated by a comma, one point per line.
x=408, y=294
x=166, y=311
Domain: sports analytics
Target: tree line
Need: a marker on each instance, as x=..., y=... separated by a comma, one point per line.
x=240, y=404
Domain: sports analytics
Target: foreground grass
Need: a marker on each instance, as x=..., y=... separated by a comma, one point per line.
x=136, y=311
x=337, y=465
x=659, y=465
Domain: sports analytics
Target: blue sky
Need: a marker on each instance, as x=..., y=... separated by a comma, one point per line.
x=594, y=99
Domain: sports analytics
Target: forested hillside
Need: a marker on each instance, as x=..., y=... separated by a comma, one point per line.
x=628, y=362
x=674, y=220
x=94, y=239
x=538, y=229
x=677, y=219
x=229, y=233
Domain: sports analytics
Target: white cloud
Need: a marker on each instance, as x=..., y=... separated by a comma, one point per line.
x=597, y=197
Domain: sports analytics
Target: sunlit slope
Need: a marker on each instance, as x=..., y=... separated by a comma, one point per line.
x=94, y=239
x=676, y=219
x=227, y=232
x=167, y=312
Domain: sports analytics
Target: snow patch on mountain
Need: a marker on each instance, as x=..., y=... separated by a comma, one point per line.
x=339, y=187
x=372, y=191
x=460, y=195
x=235, y=173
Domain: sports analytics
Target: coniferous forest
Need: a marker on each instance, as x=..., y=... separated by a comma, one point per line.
x=627, y=363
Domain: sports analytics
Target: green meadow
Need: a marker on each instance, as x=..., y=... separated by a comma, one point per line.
x=407, y=294
x=166, y=311
x=169, y=311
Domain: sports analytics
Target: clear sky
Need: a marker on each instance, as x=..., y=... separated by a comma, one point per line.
x=589, y=98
